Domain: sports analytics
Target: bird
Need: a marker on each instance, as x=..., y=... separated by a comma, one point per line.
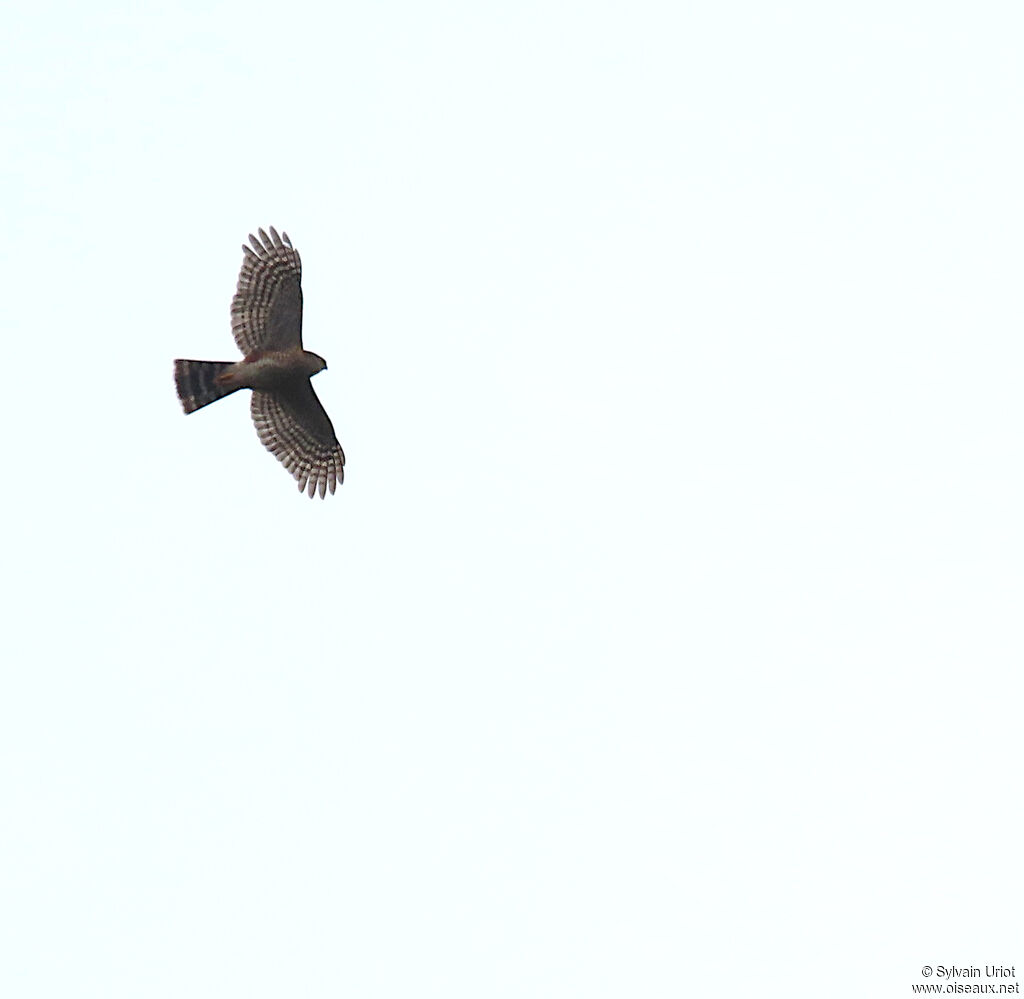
x=266, y=320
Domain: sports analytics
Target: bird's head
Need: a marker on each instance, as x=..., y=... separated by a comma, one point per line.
x=316, y=363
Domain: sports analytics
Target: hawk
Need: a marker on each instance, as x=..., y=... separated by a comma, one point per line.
x=266, y=319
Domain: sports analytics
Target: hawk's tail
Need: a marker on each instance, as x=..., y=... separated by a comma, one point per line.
x=198, y=385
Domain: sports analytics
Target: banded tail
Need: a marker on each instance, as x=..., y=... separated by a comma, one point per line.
x=197, y=383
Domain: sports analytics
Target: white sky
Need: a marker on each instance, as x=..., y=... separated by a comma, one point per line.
x=664, y=639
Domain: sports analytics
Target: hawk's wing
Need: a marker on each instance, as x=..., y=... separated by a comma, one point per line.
x=295, y=427
x=266, y=312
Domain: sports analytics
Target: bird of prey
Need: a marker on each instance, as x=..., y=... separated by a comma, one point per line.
x=266, y=319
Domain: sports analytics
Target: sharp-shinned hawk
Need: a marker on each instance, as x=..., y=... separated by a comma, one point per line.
x=266, y=319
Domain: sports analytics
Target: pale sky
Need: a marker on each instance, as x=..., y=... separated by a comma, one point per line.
x=664, y=639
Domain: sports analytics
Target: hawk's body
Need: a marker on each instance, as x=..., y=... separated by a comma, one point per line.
x=266, y=319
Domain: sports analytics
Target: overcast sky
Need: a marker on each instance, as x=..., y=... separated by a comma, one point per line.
x=664, y=638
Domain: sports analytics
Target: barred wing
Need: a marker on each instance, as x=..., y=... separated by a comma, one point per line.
x=266, y=312
x=295, y=427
